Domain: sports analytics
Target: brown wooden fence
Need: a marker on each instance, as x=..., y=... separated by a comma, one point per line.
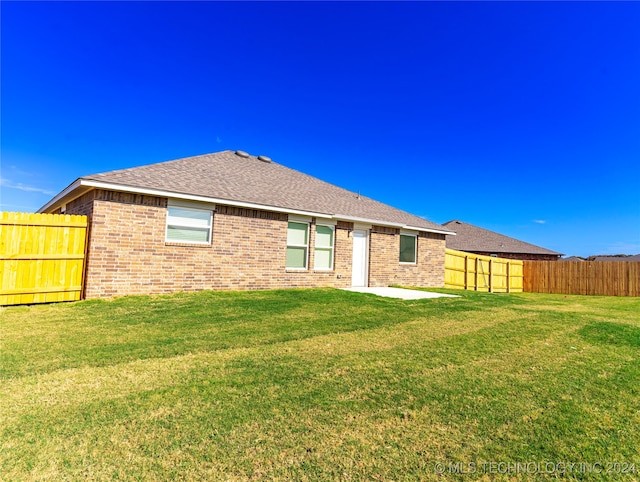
x=615, y=278
x=470, y=271
x=41, y=257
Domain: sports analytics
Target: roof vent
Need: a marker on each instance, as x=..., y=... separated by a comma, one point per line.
x=242, y=154
x=264, y=158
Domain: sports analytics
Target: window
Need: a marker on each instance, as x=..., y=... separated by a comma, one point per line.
x=188, y=225
x=297, y=245
x=323, y=253
x=408, y=249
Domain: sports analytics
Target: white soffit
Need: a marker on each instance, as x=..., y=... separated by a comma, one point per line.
x=70, y=193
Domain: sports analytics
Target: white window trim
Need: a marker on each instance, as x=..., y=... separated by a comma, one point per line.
x=362, y=227
x=333, y=246
x=415, y=249
x=295, y=218
x=181, y=203
x=326, y=221
x=194, y=207
x=306, y=260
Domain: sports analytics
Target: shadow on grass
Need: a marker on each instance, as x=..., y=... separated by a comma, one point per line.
x=609, y=333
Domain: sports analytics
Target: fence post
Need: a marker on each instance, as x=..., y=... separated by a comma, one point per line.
x=475, y=281
x=466, y=272
x=490, y=276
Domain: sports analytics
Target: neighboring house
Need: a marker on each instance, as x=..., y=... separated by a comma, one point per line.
x=572, y=258
x=620, y=257
x=477, y=240
x=233, y=221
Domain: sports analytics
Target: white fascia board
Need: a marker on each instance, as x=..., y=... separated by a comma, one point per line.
x=189, y=197
x=437, y=231
x=392, y=225
x=367, y=221
x=56, y=199
x=168, y=194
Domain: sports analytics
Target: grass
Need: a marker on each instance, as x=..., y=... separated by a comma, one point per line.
x=321, y=385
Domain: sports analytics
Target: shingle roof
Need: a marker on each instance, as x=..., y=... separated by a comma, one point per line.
x=572, y=258
x=635, y=257
x=472, y=238
x=229, y=176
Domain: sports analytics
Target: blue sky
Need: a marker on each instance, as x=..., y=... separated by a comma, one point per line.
x=523, y=118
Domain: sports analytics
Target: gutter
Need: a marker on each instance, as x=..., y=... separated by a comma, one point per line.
x=66, y=196
x=391, y=225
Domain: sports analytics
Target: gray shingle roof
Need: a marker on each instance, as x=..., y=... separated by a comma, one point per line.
x=635, y=257
x=228, y=176
x=572, y=258
x=472, y=238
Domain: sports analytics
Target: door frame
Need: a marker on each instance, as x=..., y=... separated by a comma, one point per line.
x=365, y=260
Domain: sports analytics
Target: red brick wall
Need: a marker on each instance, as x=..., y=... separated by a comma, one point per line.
x=128, y=253
x=385, y=268
x=82, y=205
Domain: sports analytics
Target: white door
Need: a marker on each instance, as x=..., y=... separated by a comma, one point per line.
x=360, y=258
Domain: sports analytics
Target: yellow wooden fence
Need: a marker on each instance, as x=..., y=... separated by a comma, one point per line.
x=482, y=273
x=41, y=257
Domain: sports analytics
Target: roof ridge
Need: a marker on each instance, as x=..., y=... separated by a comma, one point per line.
x=129, y=169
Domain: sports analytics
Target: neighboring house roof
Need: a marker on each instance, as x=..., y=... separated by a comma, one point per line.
x=472, y=238
x=239, y=179
x=572, y=258
x=635, y=257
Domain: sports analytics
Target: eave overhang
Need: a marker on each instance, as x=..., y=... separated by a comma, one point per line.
x=82, y=186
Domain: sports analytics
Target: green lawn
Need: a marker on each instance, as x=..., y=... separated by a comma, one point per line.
x=321, y=385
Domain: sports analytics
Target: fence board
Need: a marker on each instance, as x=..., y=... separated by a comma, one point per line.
x=41, y=257
x=482, y=273
x=616, y=278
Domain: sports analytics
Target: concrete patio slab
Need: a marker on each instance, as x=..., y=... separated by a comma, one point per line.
x=400, y=293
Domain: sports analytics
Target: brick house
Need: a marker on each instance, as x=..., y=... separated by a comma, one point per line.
x=233, y=221
x=474, y=239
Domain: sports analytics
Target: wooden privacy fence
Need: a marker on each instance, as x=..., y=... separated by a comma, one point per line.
x=609, y=278
x=41, y=257
x=481, y=273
